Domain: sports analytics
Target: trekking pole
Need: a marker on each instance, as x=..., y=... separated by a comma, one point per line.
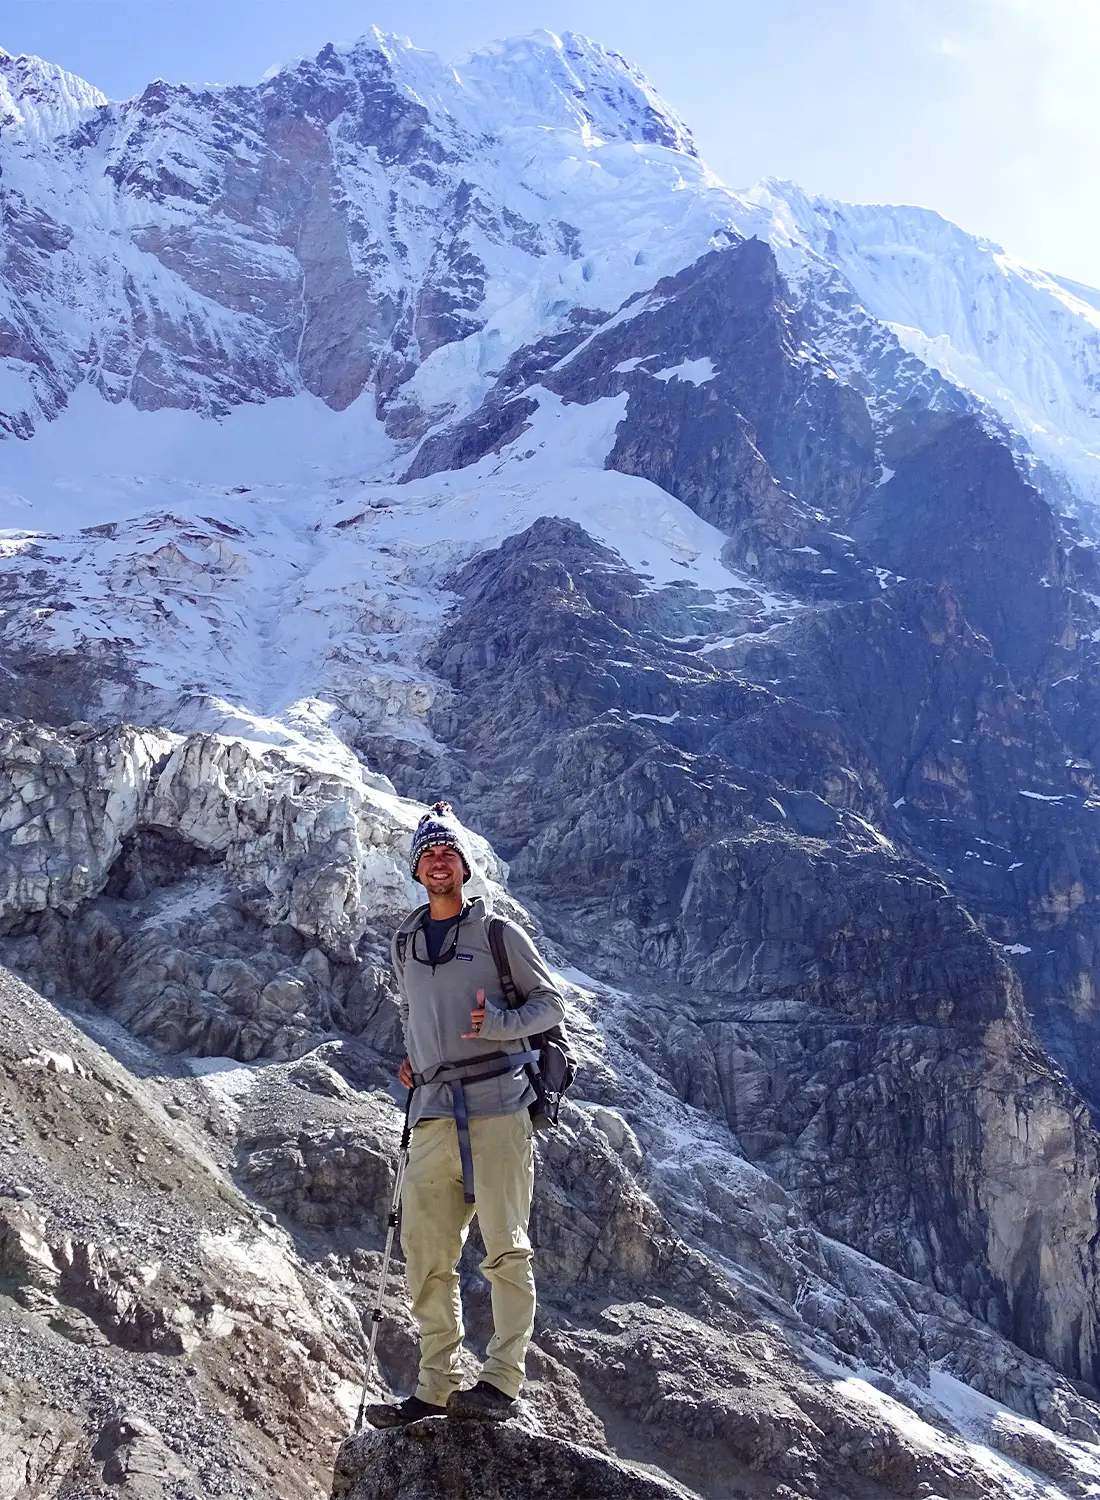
x=376, y=1315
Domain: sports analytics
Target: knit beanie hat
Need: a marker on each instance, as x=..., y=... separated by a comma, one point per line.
x=440, y=826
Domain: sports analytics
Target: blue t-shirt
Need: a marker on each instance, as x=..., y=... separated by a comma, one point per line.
x=436, y=932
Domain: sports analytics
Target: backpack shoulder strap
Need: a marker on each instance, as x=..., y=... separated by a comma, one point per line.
x=495, y=928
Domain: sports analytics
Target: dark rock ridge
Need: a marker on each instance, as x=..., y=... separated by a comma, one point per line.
x=906, y=399
x=812, y=432
x=760, y=439
x=957, y=513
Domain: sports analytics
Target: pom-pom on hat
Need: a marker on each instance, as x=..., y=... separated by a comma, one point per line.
x=440, y=826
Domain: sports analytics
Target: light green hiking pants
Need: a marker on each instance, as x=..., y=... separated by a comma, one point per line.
x=434, y=1224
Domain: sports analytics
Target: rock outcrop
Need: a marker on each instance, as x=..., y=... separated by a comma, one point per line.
x=643, y=1337
x=468, y=1462
x=155, y=1333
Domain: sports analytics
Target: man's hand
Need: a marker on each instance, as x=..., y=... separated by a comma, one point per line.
x=405, y=1074
x=477, y=1019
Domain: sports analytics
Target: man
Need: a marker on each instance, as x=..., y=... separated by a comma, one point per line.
x=471, y=1145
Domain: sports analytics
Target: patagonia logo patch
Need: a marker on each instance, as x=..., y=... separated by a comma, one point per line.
x=466, y=957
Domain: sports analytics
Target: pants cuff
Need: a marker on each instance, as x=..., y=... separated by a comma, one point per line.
x=435, y=1392
x=509, y=1382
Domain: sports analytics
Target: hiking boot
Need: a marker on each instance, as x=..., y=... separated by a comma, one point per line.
x=401, y=1413
x=483, y=1402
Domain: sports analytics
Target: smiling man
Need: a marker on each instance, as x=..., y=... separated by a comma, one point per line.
x=471, y=1149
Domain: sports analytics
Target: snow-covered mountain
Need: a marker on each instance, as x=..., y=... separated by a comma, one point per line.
x=187, y=248
x=210, y=236
x=391, y=429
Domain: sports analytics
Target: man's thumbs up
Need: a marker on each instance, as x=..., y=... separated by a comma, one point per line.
x=477, y=1018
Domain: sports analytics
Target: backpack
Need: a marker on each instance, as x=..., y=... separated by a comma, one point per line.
x=557, y=1066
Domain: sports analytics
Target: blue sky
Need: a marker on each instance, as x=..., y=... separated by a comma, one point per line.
x=983, y=109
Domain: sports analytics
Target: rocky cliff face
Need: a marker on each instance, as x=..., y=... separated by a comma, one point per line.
x=696, y=826
x=554, y=478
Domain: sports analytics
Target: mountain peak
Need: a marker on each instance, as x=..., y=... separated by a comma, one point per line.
x=539, y=79
x=41, y=100
x=569, y=80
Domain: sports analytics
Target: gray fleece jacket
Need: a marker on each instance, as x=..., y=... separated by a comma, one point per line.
x=436, y=1005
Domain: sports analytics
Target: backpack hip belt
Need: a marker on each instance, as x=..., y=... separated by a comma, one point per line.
x=457, y=1075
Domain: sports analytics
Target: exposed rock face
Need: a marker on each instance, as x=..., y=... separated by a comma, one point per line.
x=730, y=308
x=38, y=1448
x=321, y=1179
x=326, y=230
x=954, y=504
x=310, y=1147
x=727, y=408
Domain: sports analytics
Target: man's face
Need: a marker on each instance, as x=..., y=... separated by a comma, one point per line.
x=439, y=870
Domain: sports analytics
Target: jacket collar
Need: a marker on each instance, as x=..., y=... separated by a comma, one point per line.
x=475, y=910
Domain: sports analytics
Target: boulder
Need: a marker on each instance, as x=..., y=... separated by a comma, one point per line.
x=472, y=1461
